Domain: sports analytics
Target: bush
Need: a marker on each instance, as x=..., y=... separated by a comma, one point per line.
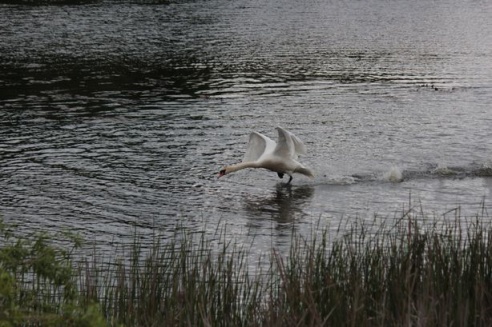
x=37, y=283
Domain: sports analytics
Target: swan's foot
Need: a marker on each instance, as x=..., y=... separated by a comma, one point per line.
x=290, y=180
x=280, y=175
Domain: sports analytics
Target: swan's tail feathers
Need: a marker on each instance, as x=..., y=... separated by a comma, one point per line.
x=305, y=171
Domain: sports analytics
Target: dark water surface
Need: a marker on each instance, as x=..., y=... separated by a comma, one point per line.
x=121, y=114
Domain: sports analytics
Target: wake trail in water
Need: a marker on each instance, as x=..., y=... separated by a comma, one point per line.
x=396, y=174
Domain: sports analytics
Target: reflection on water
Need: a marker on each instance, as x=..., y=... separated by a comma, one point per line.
x=284, y=205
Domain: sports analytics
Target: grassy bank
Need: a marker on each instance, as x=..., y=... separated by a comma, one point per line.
x=409, y=272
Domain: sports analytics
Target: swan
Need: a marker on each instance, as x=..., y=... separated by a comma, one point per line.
x=280, y=157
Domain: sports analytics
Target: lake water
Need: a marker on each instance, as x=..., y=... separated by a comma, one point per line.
x=120, y=114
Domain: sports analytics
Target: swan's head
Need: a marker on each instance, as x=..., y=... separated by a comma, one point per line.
x=222, y=172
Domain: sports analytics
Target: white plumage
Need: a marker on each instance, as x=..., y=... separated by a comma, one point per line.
x=280, y=157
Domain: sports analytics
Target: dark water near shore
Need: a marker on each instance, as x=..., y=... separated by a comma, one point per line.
x=115, y=115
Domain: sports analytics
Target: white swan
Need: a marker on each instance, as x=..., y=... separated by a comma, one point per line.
x=281, y=157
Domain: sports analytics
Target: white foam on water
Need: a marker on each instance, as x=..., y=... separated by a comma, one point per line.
x=393, y=175
x=443, y=170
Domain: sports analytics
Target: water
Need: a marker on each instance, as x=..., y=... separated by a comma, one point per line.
x=119, y=115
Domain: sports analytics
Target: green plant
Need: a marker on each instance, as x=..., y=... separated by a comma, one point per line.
x=37, y=282
x=412, y=270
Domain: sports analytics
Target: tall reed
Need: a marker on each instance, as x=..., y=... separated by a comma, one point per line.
x=409, y=271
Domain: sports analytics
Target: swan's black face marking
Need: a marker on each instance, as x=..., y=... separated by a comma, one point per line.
x=222, y=172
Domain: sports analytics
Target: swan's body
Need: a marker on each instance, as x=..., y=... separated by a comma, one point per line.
x=280, y=157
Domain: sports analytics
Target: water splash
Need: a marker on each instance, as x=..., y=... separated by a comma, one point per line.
x=485, y=170
x=443, y=170
x=393, y=175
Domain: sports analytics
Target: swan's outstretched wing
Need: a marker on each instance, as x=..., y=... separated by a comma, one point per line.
x=285, y=146
x=289, y=145
x=299, y=146
x=258, y=145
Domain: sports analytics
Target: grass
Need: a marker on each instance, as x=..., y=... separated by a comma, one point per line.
x=410, y=271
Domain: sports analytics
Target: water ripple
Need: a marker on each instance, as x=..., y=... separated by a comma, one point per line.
x=119, y=114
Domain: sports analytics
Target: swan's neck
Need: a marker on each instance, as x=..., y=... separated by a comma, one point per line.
x=242, y=165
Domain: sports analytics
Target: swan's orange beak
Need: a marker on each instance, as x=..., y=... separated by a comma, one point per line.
x=221, y=173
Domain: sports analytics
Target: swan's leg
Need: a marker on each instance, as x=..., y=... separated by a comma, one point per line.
x=280, y=175
x=290, y=179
